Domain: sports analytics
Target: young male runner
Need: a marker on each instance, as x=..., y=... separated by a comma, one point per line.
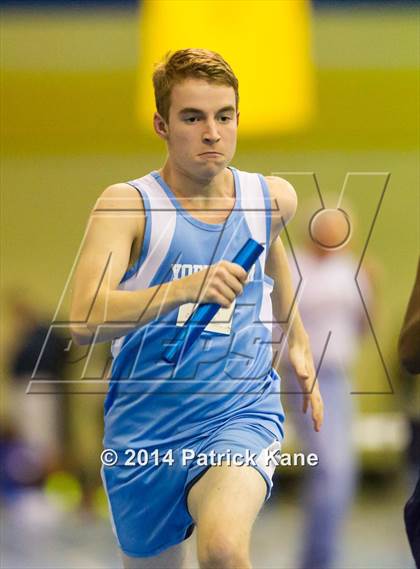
x=193, y=441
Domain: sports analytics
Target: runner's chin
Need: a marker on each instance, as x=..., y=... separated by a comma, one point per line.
x=212, y=162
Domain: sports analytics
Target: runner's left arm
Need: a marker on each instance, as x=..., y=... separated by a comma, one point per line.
x=285, y=310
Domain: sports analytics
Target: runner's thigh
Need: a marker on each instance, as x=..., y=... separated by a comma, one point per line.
x=227, y=499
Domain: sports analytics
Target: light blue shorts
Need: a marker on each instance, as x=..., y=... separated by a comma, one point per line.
x=148, y=495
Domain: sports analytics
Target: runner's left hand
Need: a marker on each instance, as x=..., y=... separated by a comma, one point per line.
x=300, y=356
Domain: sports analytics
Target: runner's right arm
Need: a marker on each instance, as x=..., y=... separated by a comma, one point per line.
x=99, y=311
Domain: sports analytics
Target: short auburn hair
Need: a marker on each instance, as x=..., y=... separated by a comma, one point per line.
x=190, y=64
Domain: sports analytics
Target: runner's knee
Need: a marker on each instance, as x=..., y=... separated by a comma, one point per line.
x=220, y=552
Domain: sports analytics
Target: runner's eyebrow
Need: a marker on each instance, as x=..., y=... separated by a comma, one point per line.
x=186, y=110
x=227, y=109
x=189, y=110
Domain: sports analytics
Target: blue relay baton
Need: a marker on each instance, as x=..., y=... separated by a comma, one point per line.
x=202, y=315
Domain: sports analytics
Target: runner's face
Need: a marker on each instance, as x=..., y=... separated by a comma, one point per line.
x=202, y=127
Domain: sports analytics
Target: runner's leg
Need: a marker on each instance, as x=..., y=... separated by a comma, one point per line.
x=224, y=504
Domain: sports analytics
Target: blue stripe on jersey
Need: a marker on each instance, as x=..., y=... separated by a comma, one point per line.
x=146, y=239
x=267, y=200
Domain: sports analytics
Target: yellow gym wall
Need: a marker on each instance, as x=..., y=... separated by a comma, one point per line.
x=267, y=44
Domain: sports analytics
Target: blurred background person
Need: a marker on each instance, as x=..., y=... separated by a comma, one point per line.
x=334, y=318
x=409, y=352
x=34, y=352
